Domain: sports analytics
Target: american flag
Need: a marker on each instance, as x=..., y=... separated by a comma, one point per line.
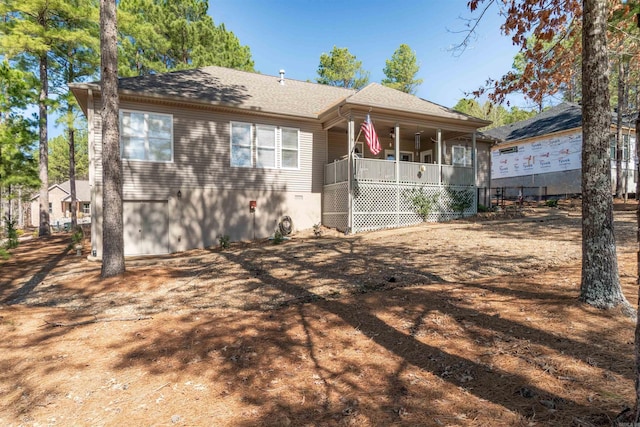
x=370, y=136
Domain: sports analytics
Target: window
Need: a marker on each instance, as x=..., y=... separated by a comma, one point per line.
x=290, y=148
x=241, y=145
x=405, y=156
x=625, y=147
x=86, y=208
x=265, y=146
x=146, y=136
x=427, y=156
x=460, y=155
x=50, y=208
x=612, y=147
x=358, y=150
x=274, y=147
x=509, y=150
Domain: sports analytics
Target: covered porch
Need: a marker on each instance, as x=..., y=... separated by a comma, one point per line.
x=363, y=193
x=426, y=168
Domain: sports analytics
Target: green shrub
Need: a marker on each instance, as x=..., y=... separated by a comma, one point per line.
x=224, y=241
x=278, y=237
x=12, y=233
x=482, y=208
x=423, y=204
x=552, y=203
x=78, y=235
x=461, y=200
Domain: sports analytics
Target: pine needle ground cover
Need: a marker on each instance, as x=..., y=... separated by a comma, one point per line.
x=467, y=323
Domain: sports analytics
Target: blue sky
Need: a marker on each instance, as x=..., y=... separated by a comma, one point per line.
x=292, y=34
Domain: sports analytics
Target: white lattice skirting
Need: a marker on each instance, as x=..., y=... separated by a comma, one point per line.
x=386, y=205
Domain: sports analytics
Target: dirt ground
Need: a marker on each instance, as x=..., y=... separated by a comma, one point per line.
x=470, y=323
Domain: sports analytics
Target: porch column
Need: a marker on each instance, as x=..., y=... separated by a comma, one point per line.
x=439, y=138
x=474, y=162
x=351, y=142
x=396, y=136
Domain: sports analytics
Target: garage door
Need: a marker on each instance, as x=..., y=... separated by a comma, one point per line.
x=146, y=227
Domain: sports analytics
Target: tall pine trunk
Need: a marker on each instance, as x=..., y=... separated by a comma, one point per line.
x=43, y=229
x=112, y=224
x=619, y=136
x=600, y=284
x=72, y=179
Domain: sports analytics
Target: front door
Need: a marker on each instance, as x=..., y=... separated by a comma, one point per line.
x=426, y=156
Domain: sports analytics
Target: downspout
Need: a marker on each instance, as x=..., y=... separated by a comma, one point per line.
x=351, y=142
x=396, y=136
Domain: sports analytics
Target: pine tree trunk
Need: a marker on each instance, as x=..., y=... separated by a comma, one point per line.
x=600, y=285
x=72, y=179
x=637, y=333
x=112, y=224
x=43, y=229
x=619, y=135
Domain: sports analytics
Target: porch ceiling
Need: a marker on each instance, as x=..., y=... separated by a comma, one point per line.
x=407, y=131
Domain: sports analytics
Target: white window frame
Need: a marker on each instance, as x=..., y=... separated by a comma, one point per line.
x=426, y=153
x=359, y=150
x=86, y=208
x=388, y=153
x=297, y=150
x=145, y=137
x=263, y=149
x=256, y=149
x=466, y=156
x=231, y=144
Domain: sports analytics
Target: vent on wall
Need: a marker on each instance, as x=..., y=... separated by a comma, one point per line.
x=509, y=150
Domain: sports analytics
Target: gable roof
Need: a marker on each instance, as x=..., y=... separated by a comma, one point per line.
x=377, y=95
x=83, y=191
x=225, y=87
x=564, y=116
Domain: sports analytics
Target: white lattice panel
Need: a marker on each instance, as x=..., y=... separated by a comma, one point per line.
x=384, y=205
x=335, y=206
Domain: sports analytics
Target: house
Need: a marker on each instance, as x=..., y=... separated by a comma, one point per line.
x=60, y=204
x=215, y=152
x=541, y=156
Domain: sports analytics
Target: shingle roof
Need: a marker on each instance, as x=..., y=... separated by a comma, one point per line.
x=376, y=94
x=564, y=116
x=228, y=87
x=262, y=93
x=83, y=190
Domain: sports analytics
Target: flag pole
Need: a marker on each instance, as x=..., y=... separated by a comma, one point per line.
x=356, y=140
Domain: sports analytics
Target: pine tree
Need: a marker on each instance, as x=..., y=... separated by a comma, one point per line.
x=341, y=68
x=401, y=70
x=18, y=169
x=159, y=36
x=112, y=223
x=31, y=30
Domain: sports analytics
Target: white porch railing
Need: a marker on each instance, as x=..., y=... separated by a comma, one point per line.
x=384, y=171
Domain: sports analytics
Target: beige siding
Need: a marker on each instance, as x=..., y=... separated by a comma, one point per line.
x=202, y=156
x=215, y=196
x=57, y=214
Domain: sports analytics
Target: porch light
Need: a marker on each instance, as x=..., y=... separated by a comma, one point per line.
x=417, y=138
x=179, y=194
